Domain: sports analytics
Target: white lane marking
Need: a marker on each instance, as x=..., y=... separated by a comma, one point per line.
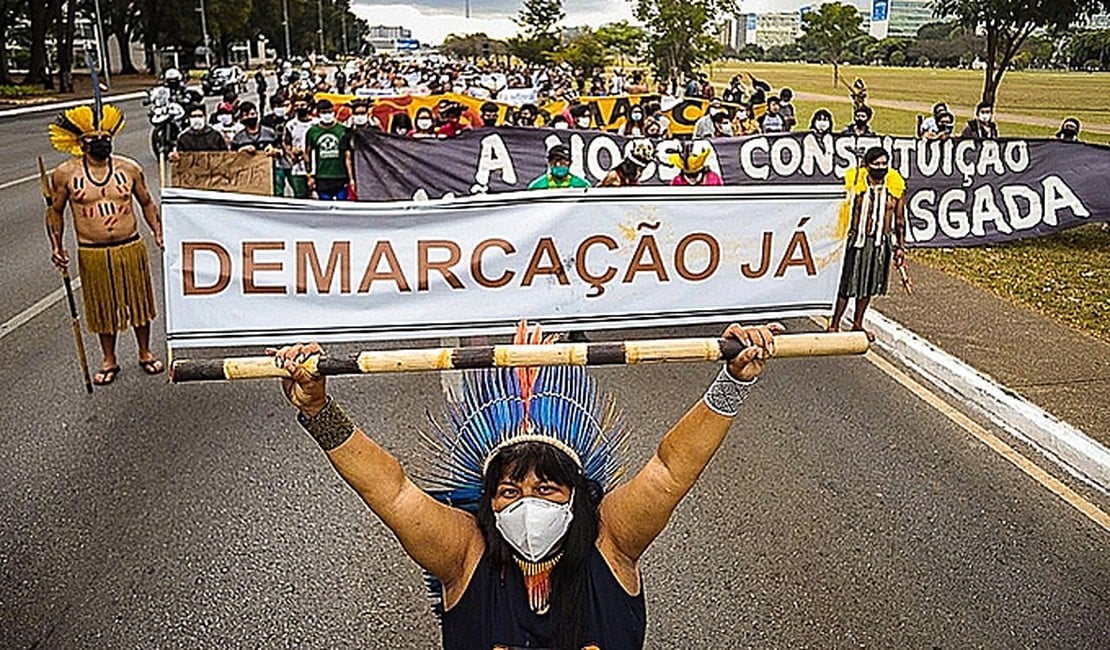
x=17, y=181
x=53, y=106
x=25, y=316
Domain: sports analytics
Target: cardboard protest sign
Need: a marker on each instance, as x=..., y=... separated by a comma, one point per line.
x=224, y=171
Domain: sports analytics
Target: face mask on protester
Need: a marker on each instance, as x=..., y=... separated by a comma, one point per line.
x=985, y=116
x=424, y=124
x=100, y=148
x=250, y=122
x=560, y=125
x=533, y=526
x=489, y=121
x=302, y=112
x=560, y=171
x=583, y=122
x=327, y=118
x=877, y=173
x=861, y=120
x=279, y=111
x=224, y=119
x=637, y=116
x=360, y=119
x=822, y=125
x=196, y=123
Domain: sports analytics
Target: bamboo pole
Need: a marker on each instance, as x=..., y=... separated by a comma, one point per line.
x=512, y=356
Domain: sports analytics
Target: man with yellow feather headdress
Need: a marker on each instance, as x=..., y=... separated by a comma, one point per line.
x=111, y=256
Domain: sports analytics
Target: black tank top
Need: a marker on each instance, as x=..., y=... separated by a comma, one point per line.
x=493, y=612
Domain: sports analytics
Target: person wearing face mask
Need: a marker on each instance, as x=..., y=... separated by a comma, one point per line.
x=580, y=118
x=1069, y=130
x=200, y=136
x=772, y=120
x=743, y=123
x=640, y=155
x=361, y=122
x=489, y=112
x=258, y=139
x=558, y=171
x=861, y=122
x=452, y=121
x=224, y=122
x=424, y=125
x=293, y=142
x=328, y=167
x=658, y=124
x=704, y=127
x=400, y=124
x=786, y=108
x=100, y=189
x=929, y=129
x=943, y=128
x=635, y=125
x=876, y=235
x=526, y=116
x=822, y=122
x=528, y=539
x=983, y=126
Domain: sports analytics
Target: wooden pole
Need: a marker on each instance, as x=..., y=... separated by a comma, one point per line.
x=75, y=319
x=512, y=356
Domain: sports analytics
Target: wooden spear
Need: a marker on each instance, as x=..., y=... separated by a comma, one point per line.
x=75, y=319
x=509, y=356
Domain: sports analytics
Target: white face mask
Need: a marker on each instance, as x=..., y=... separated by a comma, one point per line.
x=279, y=111
x=821, y=125
x=327, y=118
x=196, y=123
x=533, y=526
x=423, y=125
x=225, y=119
x=561, y=125
x=584, y=123
x=985, y=116
x=359, y=119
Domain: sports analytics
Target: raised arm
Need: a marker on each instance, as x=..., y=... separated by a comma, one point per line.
x=634, y=514
x=439, y=538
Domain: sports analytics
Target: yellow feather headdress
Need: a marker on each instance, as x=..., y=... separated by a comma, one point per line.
x=66, y=131
x=691, y=163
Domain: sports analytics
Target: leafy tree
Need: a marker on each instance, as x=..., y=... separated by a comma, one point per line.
x=538, y=20
x=626, y=40
x=884, y=50
x=750, y=52
x=681, y=33
x=1089, y=50
x=830, y=31
x=1008, y=23
x=471, y=46
x=10, y=12
x=585, y=51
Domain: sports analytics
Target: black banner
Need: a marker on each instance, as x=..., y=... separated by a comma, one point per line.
x=958, y=192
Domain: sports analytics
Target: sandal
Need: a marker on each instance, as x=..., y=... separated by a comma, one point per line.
x=151, y=366
x=105, y=376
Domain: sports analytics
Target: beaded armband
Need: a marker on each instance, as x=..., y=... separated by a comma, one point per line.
x=725, y=395
x=330, y=427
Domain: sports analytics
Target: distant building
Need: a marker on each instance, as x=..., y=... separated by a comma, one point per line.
x=386, y=37
x=899, y=18
x=769, y=30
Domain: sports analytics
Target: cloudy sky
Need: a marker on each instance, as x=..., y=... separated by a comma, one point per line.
x=431, y=20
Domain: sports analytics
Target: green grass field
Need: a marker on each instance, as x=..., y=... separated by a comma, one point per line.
x=1051, y=95
x=1067, y=276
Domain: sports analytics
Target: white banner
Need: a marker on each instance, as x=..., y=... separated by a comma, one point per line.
x=245, y=270
x=518, y=96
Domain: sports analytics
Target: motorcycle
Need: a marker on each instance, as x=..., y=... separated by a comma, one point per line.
x=167, y=119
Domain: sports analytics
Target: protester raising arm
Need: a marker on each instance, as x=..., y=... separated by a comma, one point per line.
x=440, y=539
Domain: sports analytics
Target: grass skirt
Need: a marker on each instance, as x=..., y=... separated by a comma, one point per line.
x=866, y=269
x=116, y=286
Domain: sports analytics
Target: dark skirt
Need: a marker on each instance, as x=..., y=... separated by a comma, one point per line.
x=866, y=269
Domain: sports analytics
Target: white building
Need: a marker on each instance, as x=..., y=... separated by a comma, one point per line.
x=899, y=18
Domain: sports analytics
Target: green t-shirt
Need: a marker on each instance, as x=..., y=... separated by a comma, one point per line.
x=549, y=182
x=326, y=152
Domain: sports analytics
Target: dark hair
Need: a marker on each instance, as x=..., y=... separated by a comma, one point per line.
x=400, y=121
x=821, y=112
x=939, y=107
x=558, y=151
x=981, y=105
x=199, y=106
x=787, y=94
x=568, y=578
x=873, y=154
x=773, y=99
x=863, y=108
x=489, y=107
x=580, y=111
x=246, y=107
x=324, y=105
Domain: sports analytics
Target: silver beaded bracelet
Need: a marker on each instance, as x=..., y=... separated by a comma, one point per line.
x=725, y=395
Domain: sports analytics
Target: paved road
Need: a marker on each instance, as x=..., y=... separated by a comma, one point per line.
x=840, y=512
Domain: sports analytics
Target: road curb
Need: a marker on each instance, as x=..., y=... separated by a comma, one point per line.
x=54, y=106
x=1060, y=442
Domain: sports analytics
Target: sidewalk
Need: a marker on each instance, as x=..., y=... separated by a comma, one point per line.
x=1065, y=372
x=82, y=85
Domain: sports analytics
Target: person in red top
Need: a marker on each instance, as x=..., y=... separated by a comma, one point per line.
x=452, y=122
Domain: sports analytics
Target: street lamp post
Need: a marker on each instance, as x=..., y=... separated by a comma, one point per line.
x=204, y=30
x=320, y=24
x=285, y=24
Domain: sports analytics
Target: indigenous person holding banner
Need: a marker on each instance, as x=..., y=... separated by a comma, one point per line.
x=693, y=168
x=629, y=170
x=111, y=256
x=876, y=233
x=528, y=539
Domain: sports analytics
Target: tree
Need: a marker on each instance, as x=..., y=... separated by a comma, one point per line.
x=750, y=52
x=1008, y=23
x=681, y=34
x=586, y=51
x=10, y=11
x=626, y=40
x=1089, y=50
x=539, y=38
x=42, y=14
x=829, y=31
